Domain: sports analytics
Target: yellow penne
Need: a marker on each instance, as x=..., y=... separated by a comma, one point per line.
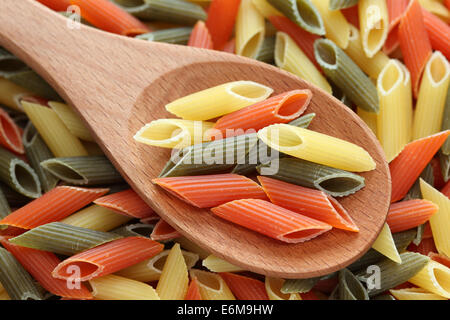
x=336, y=26
x=265, y=8
x=174, y=133
x=71, y=120
x=57, y=137
x=415, y=294
x=219, y=100
x=385, y=244
x=289, y=57
x=431, y=100
x=193, y=247
x=250, y=30
x=317, y=147
x=112, y=287
x=394, y=117
x=373, y=24
x=174, y=280
x=437, y=8
x=371, y=66
x=440, y=221
x=3, y=294
x=370, y=118
x=434, y=277
x=216, y=264
x=273, y=289
x=11, y=93
x=96, y=218
x=151, y=269
x=211, y=285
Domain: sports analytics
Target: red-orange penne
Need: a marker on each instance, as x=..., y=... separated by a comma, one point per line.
x=425, y=247
x=245, y=288
x=271, y=220
x=164, y=231
x=282, y=108
x=53, y=206
x=10, y=134
x=441, y=258
x=309, y=202
x=211, y=190
x=108, y=258
x=40, y=265
x=446, y=189
x=352, y=15
x=447, y=3
x=396, y=9
x=127, y=202
x=107, y=16
x=12, y=231
x=301, y=37
x=437, y=173
x=193, y=292
x=438, y=32
x=57, y=5
x=414, y=43
x=200, y=37
x=408, y=165
x=221, y=18
x=230, y=46
x=409, y=214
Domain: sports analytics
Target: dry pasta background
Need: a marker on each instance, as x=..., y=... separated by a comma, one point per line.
x=71, y=228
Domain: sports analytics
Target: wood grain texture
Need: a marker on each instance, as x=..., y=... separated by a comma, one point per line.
x=118, y=84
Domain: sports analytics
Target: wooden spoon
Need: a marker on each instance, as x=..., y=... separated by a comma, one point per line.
x=117, y=84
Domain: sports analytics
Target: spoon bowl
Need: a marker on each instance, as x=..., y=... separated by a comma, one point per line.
x=117, y=85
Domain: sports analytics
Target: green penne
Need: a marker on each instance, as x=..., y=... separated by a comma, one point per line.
x=299, y=285
x=9, y=63
x=83, y=170
x=446, y=123
x=346, y=75
x=341, y=4
x=62, y=238
x=19, y=175
x=336, y=182
x=37, y=151
x=338, y=94
x=14, y=198
x=427, y=175
x=135, y=230
x=419, y=234
x=391, y=274
x=30, y=80
x=4, y=205
x=445, y=165
x=212, y=157
x=249, y=168
x=16, y=280
x=303, y=13
x=266, y=52
x=350, y=288
x=172, y=11
x=173, y=36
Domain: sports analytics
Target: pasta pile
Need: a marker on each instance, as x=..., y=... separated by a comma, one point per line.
x=71, y=228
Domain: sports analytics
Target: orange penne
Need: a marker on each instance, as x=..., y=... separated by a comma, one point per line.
x=446, y=189
x=425, y=247
x=301, y=37
x=414, y=43
x=440, y=258
x=10, y=134
x=53, y=206
x=127, y=202
x=438, y=32
x=164, y=231
x=352, y=15
x=230, y=46
x=108, y=258
x=200, y=37
x=408, y=165
x=107, y=16
x=245, y=288
x=211, y=190
x=57, y=5
x=447, y=3
x=282, y=108
x=193, y=292
x=271, y=220
x=40, y=265
x=309, y=202
x=221, y=18
x=409, y=214
x=12, y=231
x=396, y=9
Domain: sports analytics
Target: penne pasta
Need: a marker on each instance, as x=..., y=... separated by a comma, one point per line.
x=245, y=288
x=221, y=19
x=216, y=264
x=369, y=118
x=164, y=232
x=10, y=135
x=193, y=292
x=266, y=9
x=406, y=215
x=211, y=285
x=267, y=51
x=350, y=288
x=12, y=94
x=436, y=7
x=385, y=244
x=431, y=98
x=112, y=287
x=192, y=247
x=374, y=25
x=4, y=205
x=438, y=33
x=435, y=278
x=289, y=57
x=250, y=30
x=200, y=37
x=316, y=147
x=273, y=289
x=415, y=294
x=342, y=4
